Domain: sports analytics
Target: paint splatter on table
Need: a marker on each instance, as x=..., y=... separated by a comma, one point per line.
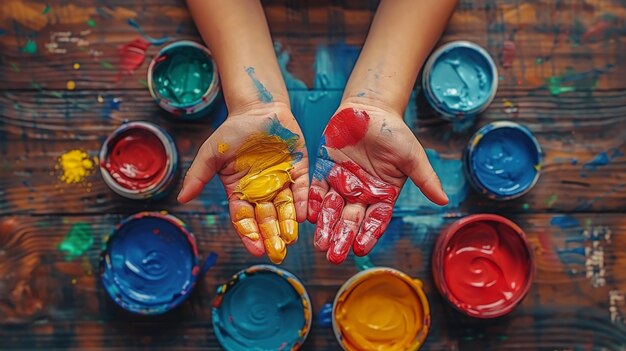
x=66, y=82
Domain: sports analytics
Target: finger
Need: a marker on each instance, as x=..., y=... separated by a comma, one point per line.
x=300, y=190
x=345, y=232
x=420, y=171
x=286, y=216
x=376, y=220
x=328, y=217
x=265, y=213
x=319, y=188
x=202, y=170
x=242, y=215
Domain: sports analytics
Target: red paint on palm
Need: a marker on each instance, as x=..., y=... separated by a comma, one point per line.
x=327, y=219
x=346, y=128
x=314, y=204
x=372, y=229
x=486, y=267
x=358, y=186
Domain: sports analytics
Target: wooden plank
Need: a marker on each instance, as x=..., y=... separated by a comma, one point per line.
x=47, y=300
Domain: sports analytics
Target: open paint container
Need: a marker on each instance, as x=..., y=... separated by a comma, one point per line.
x=503, y=160
x=460, y=79
x=262, y=308
x=381, y=309
x=483, y=265
x=150, y=263
x=183, y=79
x=139, y=160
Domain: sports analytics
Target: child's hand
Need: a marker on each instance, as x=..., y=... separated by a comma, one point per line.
x=261, y=159
x=365, y=156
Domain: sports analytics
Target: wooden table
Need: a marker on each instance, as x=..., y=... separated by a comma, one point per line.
x=563, y=69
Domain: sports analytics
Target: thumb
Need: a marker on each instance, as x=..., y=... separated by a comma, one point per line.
x=202, y=170
x=419, y=169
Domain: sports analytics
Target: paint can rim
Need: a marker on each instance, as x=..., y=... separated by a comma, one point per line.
x=438, y=257
x=105, y=264
x=449, y=114
x=193, y=110
x=286, y=275
x=476, y=183
x=171, y=165
x=414, y=283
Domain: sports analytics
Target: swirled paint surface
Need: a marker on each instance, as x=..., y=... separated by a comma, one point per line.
x=461, y=79
x=486, y=267
x=183, y=74
x=505, y=161
x=136, y=159
x=150, y=264
x=381, y=311
x=261, y=311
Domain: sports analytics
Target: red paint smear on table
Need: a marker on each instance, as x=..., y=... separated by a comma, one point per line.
x=486, y=267
x=131, y=56
x=507, y=55
x=136, y=160
x=346, y=128
x=357, y=186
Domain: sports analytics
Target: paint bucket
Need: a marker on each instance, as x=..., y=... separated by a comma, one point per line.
x=483, y=265
x=460, y=79
x=381, y=308
x=139, y=160
x=262, y=308
x=503, y=160
x=150, y=263
x=183, y=79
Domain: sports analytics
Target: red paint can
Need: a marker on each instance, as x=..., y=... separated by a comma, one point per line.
x=483, y=265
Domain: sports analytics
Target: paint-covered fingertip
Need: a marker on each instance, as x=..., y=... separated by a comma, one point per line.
x=334, y=258
x=364, y=249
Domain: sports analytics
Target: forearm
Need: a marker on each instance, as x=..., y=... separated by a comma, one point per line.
x=401, y=36
x=238, y=36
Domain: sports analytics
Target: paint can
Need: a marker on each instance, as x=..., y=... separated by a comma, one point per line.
x=150, y=263
x=460, y=80
x=483, y=265
x=262, y=308
x=139, y=160
x=183, y=80
x=502, y=160
x=381, y=308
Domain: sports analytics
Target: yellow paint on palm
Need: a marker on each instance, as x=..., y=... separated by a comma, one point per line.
x=382, y=310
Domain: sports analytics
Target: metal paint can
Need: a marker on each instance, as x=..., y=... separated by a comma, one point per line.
x=483, y=265
x=139, y=160
x=150, y=263
x=460, y=80
x=183, y=80
x=503, y=160
x=262, y=307
x=378, y=287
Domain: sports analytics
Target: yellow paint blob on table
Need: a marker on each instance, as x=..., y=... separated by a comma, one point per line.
x=76, y=66
x=71, y=85
x=382, y=311
x=222, y=148
x=75, y=166
x=268, y=161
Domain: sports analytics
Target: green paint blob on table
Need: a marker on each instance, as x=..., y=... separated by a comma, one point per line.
x=551, y=200
x=30, y=47
x=77, y=240
x=46, y=10
x=525, y=206
x=91, y=23
x=183, y=76
x=105, y=64
x=210, y=220
x=573, y=81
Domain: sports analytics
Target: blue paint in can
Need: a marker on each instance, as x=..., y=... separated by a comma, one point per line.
x=150, y=263
x=460, y=80
x=503, y=160
x=262, y=308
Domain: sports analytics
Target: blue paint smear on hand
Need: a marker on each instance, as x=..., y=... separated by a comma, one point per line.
x=153, y=41
x=264, y=95
x=277, y=129
x=564, y=222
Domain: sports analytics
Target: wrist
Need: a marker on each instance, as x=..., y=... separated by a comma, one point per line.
x=370, y=102
x=243, y=105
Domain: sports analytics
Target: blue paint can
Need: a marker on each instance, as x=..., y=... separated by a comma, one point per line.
x=503, y=160
x=139, y=161
x=460, y=79
x=262, y=308
x=150, y=263
x=183, y=80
